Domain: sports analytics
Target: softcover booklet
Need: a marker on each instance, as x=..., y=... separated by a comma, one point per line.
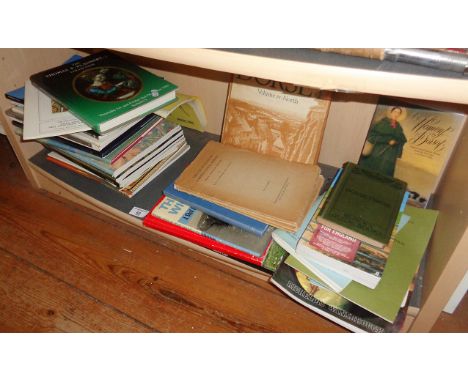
x=105, y=90
x=411, y=143
x=271, y=190
x=274, y=118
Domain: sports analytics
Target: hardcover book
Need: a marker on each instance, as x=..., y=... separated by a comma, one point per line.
x=183, y=215
x=271, y=190
x=274, y=118
x=363, y=262
x=218, y=212
x=364, y=204
x=196, y=230
x=330, y=305
x=104, y=90
x=411, y=143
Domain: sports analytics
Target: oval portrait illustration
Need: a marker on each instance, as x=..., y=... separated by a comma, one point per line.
x=107, y=84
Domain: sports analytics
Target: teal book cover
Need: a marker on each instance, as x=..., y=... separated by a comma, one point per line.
x=364, y=204
x=105, y=90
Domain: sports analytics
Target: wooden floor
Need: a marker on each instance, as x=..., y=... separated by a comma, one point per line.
x=64, y=268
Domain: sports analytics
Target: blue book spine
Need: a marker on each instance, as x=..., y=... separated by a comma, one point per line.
x=17, y=95
x=224, y=214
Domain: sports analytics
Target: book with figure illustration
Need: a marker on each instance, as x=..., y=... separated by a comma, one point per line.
x=275, y=118
x=412, y=143
x=105, y=90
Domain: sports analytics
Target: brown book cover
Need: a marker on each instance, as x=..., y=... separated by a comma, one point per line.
x=275, y=118
x=269, y=189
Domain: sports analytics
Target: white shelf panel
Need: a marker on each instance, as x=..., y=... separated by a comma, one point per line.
x=337, y=73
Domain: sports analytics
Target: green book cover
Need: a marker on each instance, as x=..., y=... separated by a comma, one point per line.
x=105, y=90
x=364, y=204
x=314, y=296
x=407, y=252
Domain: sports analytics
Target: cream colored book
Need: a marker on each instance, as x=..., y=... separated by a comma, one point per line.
x=272, y=190
x=275, y=118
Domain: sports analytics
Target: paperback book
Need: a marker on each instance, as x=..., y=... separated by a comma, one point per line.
x=272, y=190
x=105, y=90
x=159, y=134
x=275, y=118
x=330, y=305
x=412, y=143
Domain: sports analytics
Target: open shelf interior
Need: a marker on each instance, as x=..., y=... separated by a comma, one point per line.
x=207, y=72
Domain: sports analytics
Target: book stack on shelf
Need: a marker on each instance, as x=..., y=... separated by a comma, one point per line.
x=259, y=177
x=355, y=259
x=97, y=116
x=259, y=195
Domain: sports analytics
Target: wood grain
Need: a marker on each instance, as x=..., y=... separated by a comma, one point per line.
x=155, y=286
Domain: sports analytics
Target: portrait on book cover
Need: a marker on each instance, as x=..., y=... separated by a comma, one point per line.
x=107, y=84
x=412, y=143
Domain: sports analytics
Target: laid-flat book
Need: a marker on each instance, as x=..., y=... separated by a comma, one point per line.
x=364, y=204
x=271, y=190
x=105, y=90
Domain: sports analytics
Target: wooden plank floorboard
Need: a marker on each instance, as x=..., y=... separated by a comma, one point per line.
x=33, y=301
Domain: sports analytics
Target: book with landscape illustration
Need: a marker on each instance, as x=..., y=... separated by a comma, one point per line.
x=412, y=143
x=105, y=90
x=274, y=118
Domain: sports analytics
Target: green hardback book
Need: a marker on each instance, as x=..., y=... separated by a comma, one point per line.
x=104, y=90
x=364, y=204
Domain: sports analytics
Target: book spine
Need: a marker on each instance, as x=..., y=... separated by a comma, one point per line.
x=217, y=212
x=204, y=241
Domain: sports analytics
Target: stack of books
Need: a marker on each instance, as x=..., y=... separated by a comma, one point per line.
x=96, y=115
x=16, y=111
x=354, y=259
x=261, y=176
